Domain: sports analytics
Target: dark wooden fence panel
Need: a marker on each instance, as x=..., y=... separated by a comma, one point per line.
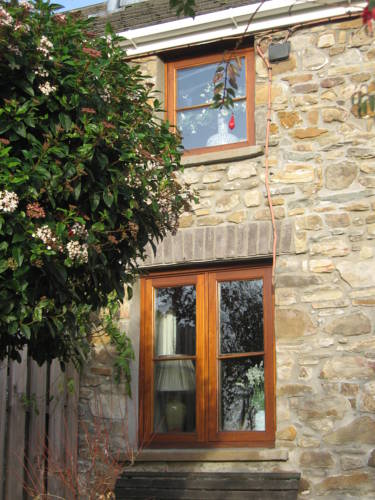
x=38, y=429
x=15, y=452
x=37, y=444
x=3, y=408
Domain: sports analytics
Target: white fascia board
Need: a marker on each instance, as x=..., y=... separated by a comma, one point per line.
x=219, y=25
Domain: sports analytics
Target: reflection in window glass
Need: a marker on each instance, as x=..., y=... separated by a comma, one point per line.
x=242, y=394
x=210, y=127
x=241, y=316
x=175, y=313
x=195, y=85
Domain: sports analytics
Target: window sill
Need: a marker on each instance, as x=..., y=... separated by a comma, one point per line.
x=210, y=455
x=222, y=156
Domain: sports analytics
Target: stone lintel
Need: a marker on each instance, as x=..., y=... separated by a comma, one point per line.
x=214, y=455
x=222, y=156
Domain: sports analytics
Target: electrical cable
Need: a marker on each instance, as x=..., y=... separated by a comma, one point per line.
x=266, y=153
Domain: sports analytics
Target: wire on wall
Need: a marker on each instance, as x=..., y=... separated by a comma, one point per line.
x=266, y=153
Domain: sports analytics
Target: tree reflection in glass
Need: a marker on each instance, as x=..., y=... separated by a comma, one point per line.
x=241, y=355
x=242, y=394
x=199, y=124
x=241, y=316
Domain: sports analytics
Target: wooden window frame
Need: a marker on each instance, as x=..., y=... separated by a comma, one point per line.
x=171, y=69
x=207, y=434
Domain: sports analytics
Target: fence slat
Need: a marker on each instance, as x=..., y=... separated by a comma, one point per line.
x=14, y=482
x=3, y=415
x=56, y=440
x=36, y=458
x=71, y=431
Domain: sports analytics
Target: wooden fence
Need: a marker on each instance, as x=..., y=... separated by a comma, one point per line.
x=38, y=430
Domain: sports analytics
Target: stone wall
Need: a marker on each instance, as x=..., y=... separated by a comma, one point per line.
x=322, y=177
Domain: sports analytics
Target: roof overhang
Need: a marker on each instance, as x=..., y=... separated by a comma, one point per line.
x=228, y=23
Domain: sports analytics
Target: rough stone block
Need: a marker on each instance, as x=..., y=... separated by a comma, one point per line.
x=305, y=88
x=242, y=171
x=316, y=459
x=295, y=174
x=326, y=40
x=237, y=217
x=252, y=198
x=292, y=324
x=318, y=409
x=356, y=482
x=358, y=274
x=337, y=247
x=355, y=323
x=227, y=202
x=347, y=367
x=289, y=119
x=287, y=433
x=309, y=133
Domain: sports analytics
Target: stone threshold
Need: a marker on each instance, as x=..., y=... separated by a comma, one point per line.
x=222, y=156
x=213, y=455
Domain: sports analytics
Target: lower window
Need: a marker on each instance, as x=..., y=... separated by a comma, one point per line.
x=207, y=358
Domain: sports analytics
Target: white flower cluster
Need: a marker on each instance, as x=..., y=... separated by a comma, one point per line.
x=45, y=46
x=46, y=88
x=15, y=50
x=79, y=230
x=5, y=18
x=26, y=5
x=106, y=94
x=78, y=251
x=40, y=71
x=8, y=201
x=21, y=27
x=45, y=234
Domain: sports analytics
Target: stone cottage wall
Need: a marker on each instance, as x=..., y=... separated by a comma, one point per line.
x=322, y=175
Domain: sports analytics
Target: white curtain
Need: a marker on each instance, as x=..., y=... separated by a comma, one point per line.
x=176, y=375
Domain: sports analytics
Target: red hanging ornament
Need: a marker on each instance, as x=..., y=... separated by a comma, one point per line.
x=231, y=123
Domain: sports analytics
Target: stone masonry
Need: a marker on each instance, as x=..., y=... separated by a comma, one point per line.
x=322, y=176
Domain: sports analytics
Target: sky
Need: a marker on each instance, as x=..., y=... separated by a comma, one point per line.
x=75, y=4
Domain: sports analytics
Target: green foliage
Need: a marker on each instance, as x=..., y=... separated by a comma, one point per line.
x=363, y=103
x=225, y=83
x=87, y=179
x=186, y=7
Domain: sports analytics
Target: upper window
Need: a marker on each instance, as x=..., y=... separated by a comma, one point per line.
x=189, y=90
x=207, y=354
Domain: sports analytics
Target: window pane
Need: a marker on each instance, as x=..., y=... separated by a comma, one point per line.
x=175, y=320
x=241, y=316
x=174, y=396
x=195, y=85
x=210, y=127
x=242, y=394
